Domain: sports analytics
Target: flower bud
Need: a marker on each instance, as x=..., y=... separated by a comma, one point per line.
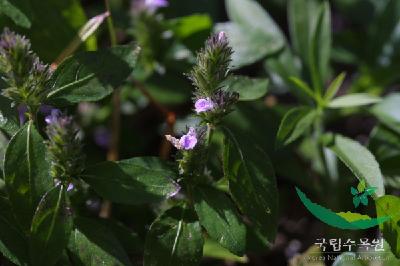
x=24, y=74
x=63, y=146
x=204, y=105
x=212, y=66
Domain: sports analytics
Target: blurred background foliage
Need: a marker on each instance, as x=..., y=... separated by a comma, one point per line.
x=309, y=40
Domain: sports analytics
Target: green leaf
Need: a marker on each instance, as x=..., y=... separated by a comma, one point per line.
x=353, y=100
x=249, y=46
x=51, y=227
x=249, y=89
x=214, y=250
x=26, y=172
x=388, y=111
x=354, y=191
x=252, y=33
x=310, y=32
x=53, y=22
x=250, y=14
x=130, y=240
x=302, y=86
x=334, y=86
x=320, y=46
x=302, y=17
x=294, y=124
x=93, y=244
x=13, y=12
x=192, y=30
x=388, y=205
x=13, y=243
x=356, y=201
x=175, y=238
x=9, y=121
x=133, y=181
x=360, y=161
x=91, y=76
x=252, y=185
x=219, y=217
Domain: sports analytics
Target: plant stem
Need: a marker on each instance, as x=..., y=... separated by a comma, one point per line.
x=113, y=152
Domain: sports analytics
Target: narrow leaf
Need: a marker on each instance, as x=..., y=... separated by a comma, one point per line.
x=175, y=238
x=334, y=86
x=294, y=124
x=302, y=86
x=353, y=100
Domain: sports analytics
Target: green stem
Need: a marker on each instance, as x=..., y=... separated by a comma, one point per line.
x=110, y=25
x=318, y=132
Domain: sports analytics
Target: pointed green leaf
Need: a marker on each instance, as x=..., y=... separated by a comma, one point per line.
x=93, y=244
x=294, y=124
x=334, y=86
x=51, y=228
x=175, y=238
x=134, y=181
x=26, y=172
x=353, y=100
x=91, y=76
x=360, y=161
x=302, y=86
x=354, y=191
x=218, y=215
x=252, y=185
x=320, y=46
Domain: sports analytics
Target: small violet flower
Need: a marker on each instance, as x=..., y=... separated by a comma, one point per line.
x=53, y=116
x=186, y=142
x=204, y=105
x=222, y=37
x=154, y=4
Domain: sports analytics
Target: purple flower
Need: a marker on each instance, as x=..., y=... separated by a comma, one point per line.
x=203, y=105
x=102, y=137
x=70, y=187
x=222, y=37
x=186, y=142
x=53, y=117
x=22, y=109
x=155, y=4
